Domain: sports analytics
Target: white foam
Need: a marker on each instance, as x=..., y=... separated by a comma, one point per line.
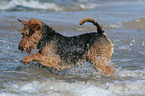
x=124, y=47
x=122, y=60
x=142, y=52
x=30, y=4
x=47, y=5
x=132, y=83
x=30, y=87
x=127, y=87
x=88, y=6
x=8, y=94
x=58, y=88
x=112, y=25
x=134, y=74
x=143, y=43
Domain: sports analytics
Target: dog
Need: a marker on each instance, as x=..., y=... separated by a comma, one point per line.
x=59, y=52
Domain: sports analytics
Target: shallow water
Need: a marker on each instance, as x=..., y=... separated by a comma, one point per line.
x=18, y=79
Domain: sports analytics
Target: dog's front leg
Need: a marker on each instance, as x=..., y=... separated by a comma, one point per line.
x=28, y=58
x=49, y=61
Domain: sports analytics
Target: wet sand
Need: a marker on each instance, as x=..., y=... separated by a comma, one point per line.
x=139, y=23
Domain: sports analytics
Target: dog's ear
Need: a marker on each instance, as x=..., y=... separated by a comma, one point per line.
x=35, y=25
x=21, y=21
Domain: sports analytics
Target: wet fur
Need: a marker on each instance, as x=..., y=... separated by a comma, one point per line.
x=59, y=52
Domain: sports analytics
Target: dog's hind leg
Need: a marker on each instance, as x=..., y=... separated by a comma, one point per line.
x=102, y=66
x=100, y=55
x=100, y=63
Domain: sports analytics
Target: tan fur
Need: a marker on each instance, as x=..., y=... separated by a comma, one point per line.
x=49, y=61
x=48, y=58
x=99, y=53
x=88, y=19
x=49, y=49
x=29, y=40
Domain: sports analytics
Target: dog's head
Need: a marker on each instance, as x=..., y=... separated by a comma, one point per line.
x=31, y=35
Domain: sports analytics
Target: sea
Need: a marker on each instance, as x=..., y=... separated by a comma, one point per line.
x=18, y=79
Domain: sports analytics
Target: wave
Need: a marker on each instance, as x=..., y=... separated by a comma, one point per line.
x=54, y=87
x=56, y=5
x=28, y=4
x=38, y=5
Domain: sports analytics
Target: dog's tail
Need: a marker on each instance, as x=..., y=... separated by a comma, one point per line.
x=100, y=29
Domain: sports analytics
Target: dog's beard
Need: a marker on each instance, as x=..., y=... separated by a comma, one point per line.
x=26, y=46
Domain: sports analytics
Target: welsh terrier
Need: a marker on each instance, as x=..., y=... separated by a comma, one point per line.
x=59, y=52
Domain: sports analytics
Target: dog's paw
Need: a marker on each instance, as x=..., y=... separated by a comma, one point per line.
x=108, y=70
x=26, y=60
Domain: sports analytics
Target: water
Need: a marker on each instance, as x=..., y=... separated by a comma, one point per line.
x=18, y=79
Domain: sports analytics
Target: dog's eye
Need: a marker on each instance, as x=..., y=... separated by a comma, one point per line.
x=27, y=34
x=22, y=34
